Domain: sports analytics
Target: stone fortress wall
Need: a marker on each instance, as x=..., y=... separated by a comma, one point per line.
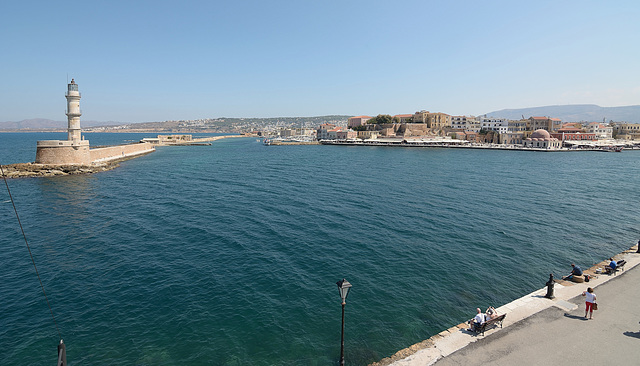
x=56, y=154
x=61, y=152
x=110, y=153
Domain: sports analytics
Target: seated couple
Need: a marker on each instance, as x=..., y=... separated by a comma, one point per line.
x=480, y=318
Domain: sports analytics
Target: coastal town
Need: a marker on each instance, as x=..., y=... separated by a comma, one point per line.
x=424, y=128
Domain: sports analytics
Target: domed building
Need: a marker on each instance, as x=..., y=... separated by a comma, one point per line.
x=541, y=139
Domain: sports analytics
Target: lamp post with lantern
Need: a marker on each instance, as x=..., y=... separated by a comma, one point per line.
x=343, y=286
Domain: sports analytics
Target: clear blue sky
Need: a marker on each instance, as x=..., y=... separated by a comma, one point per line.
x=138, y=61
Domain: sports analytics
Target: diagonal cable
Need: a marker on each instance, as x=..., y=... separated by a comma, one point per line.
x=29, y=249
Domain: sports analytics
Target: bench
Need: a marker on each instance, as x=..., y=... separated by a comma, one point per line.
x=490, y=323
x=619, y=267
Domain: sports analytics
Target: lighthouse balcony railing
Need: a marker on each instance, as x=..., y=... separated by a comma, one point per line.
x=75, y=93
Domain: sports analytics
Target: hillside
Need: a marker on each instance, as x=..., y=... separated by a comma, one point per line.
x=39, y=124
x=575, y=113
x=222, y=124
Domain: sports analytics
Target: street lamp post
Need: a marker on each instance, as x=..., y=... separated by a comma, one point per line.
x=343, y=286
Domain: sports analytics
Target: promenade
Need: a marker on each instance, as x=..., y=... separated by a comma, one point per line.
x=553, y=332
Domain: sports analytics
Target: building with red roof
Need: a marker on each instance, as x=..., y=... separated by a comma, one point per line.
x=357, y=121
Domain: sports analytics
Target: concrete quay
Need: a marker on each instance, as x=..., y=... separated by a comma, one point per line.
x=460, y=144
x=538, y=330
x=215, y=138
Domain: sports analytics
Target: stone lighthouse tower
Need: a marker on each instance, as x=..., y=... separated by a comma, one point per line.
x=73, y=112
x=74, y=150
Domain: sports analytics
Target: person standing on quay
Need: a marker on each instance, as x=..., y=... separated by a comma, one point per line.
x=590, y=300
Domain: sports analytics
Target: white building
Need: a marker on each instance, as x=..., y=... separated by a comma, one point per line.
x=465, y=123
x=601, y=130
x=500, y=125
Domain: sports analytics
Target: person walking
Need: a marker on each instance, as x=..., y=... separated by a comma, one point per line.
x=590, y=300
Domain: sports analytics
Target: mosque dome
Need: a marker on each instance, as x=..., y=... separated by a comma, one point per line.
x=542, y=135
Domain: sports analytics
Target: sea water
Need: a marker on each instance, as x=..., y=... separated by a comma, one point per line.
x=229, y=254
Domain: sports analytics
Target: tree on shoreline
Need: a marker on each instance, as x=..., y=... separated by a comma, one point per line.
x=380, y=119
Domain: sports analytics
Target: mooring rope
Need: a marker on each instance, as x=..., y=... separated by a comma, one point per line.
x=29, y=249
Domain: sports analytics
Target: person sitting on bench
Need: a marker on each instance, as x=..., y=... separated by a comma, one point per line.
x=611, y=267
x=491, y=313
x=477, y=321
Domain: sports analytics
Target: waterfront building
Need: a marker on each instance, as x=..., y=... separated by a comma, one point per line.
x=403, y=118
x=627, y=131
x=357, y=121
x=287, y=132
x=512, y=138
x=602, y=131
x=420, y=117
x=346, y=134
x=368, y=135
x=544, y=123
x=323, y=131
x=500, y=125
x=541, y=139
x=516, y=132
x=332, y=134
x=465, y=123
x=517, y=126
x=573, y=134
x=438, y=120
x=305, y=131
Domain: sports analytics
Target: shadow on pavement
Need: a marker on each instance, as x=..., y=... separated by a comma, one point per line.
x=632, y=334
x=575, y=316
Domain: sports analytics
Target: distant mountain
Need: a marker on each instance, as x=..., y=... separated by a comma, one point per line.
x=575, y=113
x=33, y=124
x=221, y=124
x=48, y=124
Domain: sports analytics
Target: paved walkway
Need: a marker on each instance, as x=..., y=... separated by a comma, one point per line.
x=552, y=332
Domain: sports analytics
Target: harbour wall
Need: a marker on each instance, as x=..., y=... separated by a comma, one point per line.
x=62, y=153
x=110, y=153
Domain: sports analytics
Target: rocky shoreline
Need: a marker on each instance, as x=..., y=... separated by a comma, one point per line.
x=26, y=170
x=33, y=170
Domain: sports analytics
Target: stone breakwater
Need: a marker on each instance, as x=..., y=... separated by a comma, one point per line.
x=27, y=170
x=215, y=138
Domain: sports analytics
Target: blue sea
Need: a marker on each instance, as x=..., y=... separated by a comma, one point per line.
x=229, y=254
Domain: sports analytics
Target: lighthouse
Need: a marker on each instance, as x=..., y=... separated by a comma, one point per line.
x=73, y=112
x=74, y=150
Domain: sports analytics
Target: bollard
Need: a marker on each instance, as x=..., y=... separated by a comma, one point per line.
x=638, y=251
x=62, y=354
x=550, y=284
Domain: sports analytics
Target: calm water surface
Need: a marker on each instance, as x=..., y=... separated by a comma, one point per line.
x=228, y=254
